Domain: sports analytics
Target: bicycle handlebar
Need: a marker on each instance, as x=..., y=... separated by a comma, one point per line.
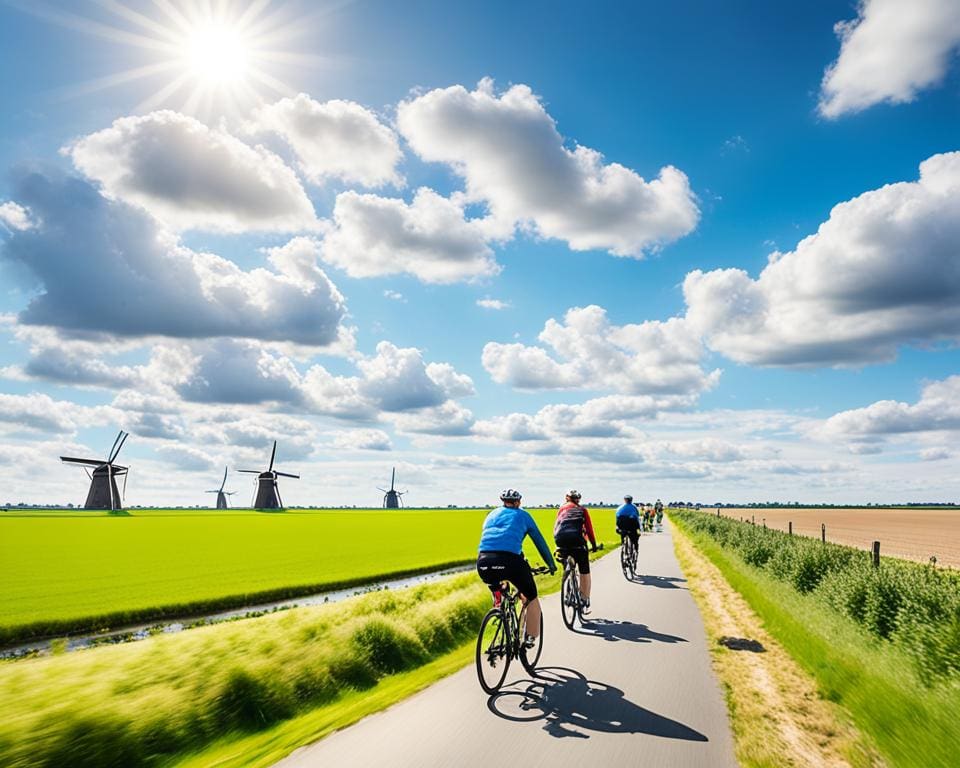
x=541, y=569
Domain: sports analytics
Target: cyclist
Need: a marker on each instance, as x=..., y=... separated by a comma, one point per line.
x=572, y=525
x=628, y=520
x=658, y=509
x=501, y=556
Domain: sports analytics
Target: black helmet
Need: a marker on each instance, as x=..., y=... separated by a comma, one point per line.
x=510, y=495
x=628, y=498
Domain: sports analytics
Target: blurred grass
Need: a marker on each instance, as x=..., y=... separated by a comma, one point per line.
x=79, y=571
x=251, y=682
x=912, y=722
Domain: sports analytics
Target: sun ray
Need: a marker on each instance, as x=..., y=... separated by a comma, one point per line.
x=137, y=18
x=118, y=78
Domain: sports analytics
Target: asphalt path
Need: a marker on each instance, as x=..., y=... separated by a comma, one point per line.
x=632, y=687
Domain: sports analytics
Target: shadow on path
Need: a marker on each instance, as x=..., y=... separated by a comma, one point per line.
x=663, y=582
x=613, y=630
x=571, y=706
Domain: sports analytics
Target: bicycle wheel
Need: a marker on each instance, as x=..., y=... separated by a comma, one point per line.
x=530, y=656
x=493, y=651
x=625, y=558
x=569, y=597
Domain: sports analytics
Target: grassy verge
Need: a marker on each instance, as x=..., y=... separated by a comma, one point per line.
x=911, y=722
x=74, y=572
x=151, y=702
x=777, y=717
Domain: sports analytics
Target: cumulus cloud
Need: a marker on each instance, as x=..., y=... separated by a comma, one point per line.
x=39, y=412
x=588, y=352
x=335, y=139
x=429, y=238
x=512, y=158
x=97, y=260
x=362, y=440
x=191, y=176
x=882, y=271
x=449, y=419
x=14, y=216
x=889, y=53
x=937, y=410
x=187, y=458
x=394, y=380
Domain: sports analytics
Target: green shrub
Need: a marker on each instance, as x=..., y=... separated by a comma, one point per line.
x=914, y=606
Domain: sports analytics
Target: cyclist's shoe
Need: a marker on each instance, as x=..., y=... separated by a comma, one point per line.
x=529, y=641
x=585, y=605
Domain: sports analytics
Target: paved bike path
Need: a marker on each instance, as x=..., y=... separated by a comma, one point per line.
x=634, y=687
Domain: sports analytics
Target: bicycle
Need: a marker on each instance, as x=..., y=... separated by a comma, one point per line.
x=571, y=602
x=628, y=556
x=500, y=638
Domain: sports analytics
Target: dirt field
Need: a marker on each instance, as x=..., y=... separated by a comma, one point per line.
x=915, y=534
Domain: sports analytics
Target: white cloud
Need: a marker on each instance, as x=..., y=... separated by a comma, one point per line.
x=39, y=412
x=511, y=156
x=935, y=454
x=428, y=238
x=128, y=262
x=15, y=216
x=362, y=440
x=493, y=304
x=882, y=271
x=889, y=53
x=449, y=419
x=335, y=139
x=188, y=458
x=394, y=296
x=398, y=380
x=193, y=177
x=591, y=353
x=937, y=410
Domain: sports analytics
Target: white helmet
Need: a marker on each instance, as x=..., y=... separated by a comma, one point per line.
x=510, y=495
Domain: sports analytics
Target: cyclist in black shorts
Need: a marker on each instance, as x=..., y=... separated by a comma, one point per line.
x=501, y=555
x=628, y=519
x=572, y=526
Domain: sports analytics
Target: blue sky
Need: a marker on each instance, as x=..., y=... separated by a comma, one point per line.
x=635, y=167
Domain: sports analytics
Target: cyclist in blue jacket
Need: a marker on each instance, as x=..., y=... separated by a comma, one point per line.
x=628, y=519
x=501, y=555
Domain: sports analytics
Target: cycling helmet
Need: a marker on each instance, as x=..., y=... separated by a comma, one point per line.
x=628, y=498
x=510, y=495
x=573, y=494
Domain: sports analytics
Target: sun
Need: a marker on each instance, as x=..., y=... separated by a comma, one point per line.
x=217, y=54
x=207, y=58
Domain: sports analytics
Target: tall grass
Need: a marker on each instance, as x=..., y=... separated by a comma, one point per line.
x=912, y=606
x=913, y=723
x=135, y=705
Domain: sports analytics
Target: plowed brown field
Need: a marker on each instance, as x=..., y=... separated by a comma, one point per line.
x=915, y=534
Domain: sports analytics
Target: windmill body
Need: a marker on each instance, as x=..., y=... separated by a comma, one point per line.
x=268, y=492
x=222, y=494
x=392, y=497
x=103, y=492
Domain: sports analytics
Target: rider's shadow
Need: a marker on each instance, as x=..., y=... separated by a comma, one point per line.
x=662, y=582
x=570, y=704
x=625, y=630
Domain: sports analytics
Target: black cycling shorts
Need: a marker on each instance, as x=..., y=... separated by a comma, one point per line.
x=495, y=567
x=579, y=554
x=628, y=525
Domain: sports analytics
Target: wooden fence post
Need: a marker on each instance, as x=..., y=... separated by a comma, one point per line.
x=764, y=523
x=876, y=554
x=823, y=532
x=790, y=527
x=753, y=519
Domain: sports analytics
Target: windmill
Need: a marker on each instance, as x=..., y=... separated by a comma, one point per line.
x=222, y=494
x=103, y=493
x=268, y=495
x=391, y=498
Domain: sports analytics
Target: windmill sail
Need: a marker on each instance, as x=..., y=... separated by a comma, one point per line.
x=267, y=493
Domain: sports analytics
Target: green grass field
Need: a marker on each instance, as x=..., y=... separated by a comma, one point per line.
x=84, y=571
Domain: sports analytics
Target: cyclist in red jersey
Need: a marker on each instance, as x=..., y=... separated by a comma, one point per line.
x=570, y=532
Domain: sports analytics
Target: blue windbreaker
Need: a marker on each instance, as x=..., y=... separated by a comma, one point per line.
x=629, y=510
x=504, y=531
